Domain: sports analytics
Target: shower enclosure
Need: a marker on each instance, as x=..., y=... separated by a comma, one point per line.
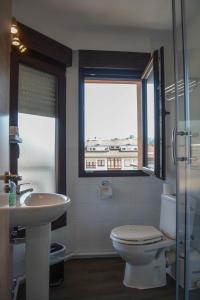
x=186, y=146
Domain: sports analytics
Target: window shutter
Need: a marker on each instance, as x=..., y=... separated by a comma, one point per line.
x=37, y=92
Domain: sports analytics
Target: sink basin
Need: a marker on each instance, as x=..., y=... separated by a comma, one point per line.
x=37, y=209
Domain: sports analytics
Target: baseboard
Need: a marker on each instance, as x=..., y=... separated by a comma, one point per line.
x=68, y=256
x=74, y=255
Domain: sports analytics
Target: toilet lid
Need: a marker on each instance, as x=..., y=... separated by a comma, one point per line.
x=136, y=233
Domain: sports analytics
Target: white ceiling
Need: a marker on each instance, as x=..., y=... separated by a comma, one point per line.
x=148, y=14
x=153, y=14
x=77, y=22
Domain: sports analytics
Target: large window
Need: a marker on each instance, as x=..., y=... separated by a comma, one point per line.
x=37, y=124
x=122, y=119
x=37, y=107
x=109, y=128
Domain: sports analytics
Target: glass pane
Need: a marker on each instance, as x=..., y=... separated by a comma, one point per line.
x=111, y=130
x=192, y=23
x=150, y=122
x=188, y=146
x=37, y=153
x=37, y=127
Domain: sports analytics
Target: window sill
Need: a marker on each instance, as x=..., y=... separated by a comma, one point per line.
x=136, y=173
x=148, y=171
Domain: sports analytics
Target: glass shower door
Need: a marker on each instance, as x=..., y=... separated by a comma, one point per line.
x=187, y=38
x=191, y=12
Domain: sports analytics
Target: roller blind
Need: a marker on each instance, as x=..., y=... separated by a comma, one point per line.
x=37, y=92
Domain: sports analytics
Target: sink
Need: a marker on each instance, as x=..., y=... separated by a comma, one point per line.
x=37, y=209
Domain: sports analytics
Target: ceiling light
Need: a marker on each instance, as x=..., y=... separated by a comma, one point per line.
x=15, y=37
x=15, y=41
x=22, y=48
x=14, y=28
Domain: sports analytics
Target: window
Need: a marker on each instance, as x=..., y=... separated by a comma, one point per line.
x=90, y=164
x=37, y=108
x=150, y=117
x=109, y=125
x=101, y=163
x=154, y=116
x=38, y=96
x=121, y=118
x=114, y=163
x=37, y=123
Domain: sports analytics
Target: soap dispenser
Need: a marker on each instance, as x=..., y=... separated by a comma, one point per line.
x=12, y=193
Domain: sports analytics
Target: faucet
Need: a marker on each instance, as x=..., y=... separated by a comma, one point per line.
x=18, y=190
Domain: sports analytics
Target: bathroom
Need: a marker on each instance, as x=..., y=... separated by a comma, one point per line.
x=77, y=43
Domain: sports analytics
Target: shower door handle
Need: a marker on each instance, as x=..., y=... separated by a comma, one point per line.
x=174, y=145
x=190, y=158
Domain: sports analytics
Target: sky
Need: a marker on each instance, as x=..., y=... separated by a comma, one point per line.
x=110, y=110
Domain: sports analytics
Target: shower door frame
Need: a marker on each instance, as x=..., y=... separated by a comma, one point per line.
x=186, y=160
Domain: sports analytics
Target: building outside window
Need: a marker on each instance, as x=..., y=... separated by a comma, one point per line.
x=119, y=107
x=90, y=164
x=101, y=162
x=114, y=163
x=111, y=125
x=128, y=163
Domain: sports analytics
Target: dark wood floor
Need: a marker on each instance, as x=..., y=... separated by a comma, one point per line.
x=101, y=279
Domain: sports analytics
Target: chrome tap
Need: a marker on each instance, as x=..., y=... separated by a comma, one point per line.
x=18, y=189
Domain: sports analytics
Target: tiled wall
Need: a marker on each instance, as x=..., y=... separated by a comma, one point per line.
x=136, y=200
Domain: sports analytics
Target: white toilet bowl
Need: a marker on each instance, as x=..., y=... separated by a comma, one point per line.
x=143, y=248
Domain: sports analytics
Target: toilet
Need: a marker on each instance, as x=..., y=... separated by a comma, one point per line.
x=143, y=247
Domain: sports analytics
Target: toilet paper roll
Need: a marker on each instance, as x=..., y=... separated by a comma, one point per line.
x=105, y=190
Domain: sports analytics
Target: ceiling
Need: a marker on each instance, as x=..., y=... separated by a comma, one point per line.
x=148, y=14
x=77, y=22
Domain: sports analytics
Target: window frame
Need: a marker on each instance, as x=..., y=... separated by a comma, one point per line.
x=59, y=72
x=156, y=64
x=101, y=74
x=101, y=162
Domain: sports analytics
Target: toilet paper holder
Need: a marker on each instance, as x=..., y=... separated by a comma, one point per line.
x=105, y=190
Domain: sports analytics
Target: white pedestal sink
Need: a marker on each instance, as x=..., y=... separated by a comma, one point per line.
x=5, y=274
x=36, y=211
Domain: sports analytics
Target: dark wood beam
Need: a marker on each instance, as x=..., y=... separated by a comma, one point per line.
x=43, y=45
x=135, y=61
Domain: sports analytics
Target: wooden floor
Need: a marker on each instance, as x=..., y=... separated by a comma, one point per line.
x=101, y=279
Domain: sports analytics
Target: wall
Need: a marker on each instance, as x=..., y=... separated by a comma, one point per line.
x=136, y=200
